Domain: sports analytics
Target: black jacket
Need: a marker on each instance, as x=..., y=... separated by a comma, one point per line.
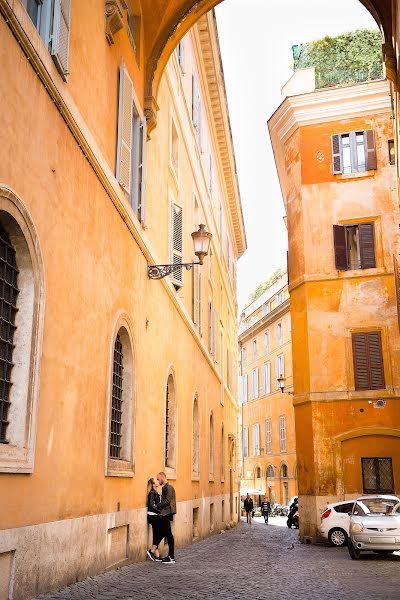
x=167, y=506
x=152, y=500
x=266, y=507
x=248, y=504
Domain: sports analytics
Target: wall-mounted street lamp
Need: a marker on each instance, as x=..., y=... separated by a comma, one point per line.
x=281, y=383
x=201, y=242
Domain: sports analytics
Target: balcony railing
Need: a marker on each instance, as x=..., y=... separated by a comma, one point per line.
x=343, y=77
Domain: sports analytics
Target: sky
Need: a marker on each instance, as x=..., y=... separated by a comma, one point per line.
x=256, y=54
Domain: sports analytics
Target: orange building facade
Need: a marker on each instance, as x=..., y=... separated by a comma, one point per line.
x=267, y=415
x=334, y=155
x=108, y=376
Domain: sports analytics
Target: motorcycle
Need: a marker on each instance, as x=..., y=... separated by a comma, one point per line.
x=293, y=519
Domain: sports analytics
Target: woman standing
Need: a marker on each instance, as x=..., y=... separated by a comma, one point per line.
x=153, y=517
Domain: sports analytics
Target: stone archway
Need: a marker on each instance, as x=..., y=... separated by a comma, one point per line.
x=161, y=36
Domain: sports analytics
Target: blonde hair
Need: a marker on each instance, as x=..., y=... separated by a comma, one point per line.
x=150, y=484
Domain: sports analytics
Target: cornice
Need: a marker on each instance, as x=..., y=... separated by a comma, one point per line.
x=211, y=54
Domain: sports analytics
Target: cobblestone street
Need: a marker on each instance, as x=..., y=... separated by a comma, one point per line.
x=252, y=561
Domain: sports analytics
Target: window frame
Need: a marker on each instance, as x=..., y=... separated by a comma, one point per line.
x=378, y=489
x=282, y=434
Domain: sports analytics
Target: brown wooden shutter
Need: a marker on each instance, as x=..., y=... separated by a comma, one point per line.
x=337, y=163
x=397, y=286
x=368, y=361
x=339, y=240
x=370, y=150
x=367, y=245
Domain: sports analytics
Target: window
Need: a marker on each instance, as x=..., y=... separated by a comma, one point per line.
x=174, y=147
x=344, y=508
x=354, y=246
x=279, y=336
x=211, y=447
x=256, y=439
x=392, y=152
x=270, y=472
x=243, y=389
x=284, y=471
x=197, y=109
x=280, y=297
x=254, y=349
x=279, y=368
x=353, y=152
x=368, y=360
x=52, y=20
x=170, y=425
x=245, y=433
x=210, y=265
x=131, y=146
x=177, y=244
x=266, y=378
x=244, y=357
x=282, y=434
x=180, y=53
x=254, y=384
x=120, y=438
x=131, y=30
x=268, y=436
x=266, y=343
x=266, y=309
x=222, y=453
x=258, y=472
x=196, y=439
x=377, y=475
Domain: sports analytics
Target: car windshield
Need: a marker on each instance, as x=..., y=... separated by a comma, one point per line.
x=371, y=507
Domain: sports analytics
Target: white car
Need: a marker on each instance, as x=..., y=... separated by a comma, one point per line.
x=335, y=522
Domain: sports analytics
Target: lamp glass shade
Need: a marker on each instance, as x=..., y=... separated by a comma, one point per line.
x=201, y=242
x=281, y=382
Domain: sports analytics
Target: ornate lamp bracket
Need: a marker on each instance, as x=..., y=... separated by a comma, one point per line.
x=161, y=271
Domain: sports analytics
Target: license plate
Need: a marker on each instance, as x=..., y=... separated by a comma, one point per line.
x=382, y=540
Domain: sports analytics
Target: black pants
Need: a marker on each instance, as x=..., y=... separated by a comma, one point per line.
x=167, y=532
x=155, y=522
x=265, y=515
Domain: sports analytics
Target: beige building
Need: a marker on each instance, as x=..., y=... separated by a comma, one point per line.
x=109, y=376
x=267, y=414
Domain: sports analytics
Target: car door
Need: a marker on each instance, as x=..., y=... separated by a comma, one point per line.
x=342, y=515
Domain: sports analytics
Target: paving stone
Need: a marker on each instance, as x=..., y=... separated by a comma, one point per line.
x=262, y=562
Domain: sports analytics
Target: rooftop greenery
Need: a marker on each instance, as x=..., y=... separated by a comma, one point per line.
x=260, y=289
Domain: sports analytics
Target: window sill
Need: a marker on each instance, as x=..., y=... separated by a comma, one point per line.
x=119, y=468
x=195, y=477
x=351, y=176
x=170, y=473
x=211, y=478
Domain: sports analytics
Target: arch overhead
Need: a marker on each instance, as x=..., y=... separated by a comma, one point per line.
x=167, y=21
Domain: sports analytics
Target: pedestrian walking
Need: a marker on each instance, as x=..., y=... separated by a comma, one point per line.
x=249, y=508
x=153, y=517
x=167, y=508
x=265, y=510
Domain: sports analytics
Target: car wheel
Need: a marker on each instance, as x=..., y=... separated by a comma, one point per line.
x=354, y=552
x=337, y=537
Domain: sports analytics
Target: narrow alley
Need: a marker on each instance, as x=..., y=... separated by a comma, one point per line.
x=251, y=561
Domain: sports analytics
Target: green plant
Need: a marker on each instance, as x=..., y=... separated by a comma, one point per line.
x=260, y=289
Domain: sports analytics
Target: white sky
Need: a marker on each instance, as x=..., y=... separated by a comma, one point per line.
x=256, y=52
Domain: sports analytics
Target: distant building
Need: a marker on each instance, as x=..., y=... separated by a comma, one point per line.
x=334, y=154
x=268, y=432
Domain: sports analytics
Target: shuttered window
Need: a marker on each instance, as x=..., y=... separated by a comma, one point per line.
x=279, y=334
x=353, y=152
x=176, y=242
x=243, y=389
x=282, y=434
x=268, y=437
x=354, y=246
x=368, y=361
x=266, y=343
x=244, y=357
x=254, y=349
x=197, y=108
x=59, y=39
x=180, y=53
x=279, y=369
x=266, y=378
x=197, y=296
x=377, y=475
x=256, y=439
x=245, y=432
x=254, y=384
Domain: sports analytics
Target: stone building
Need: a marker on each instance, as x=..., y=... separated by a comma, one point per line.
x=335, y=159
x=267, y=414
x=109, y=376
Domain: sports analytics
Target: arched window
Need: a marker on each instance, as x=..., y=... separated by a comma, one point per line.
x=170, y=424
x=196, y=439
x=222, y=453
x=270, y=472
x=258, y=472
x=284, y=471
x=21, y=323
x=120, y=441
x=211, y=447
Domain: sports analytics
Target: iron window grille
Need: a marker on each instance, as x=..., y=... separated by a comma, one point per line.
x=377, y=475
x=116, y=406
x=8, y=308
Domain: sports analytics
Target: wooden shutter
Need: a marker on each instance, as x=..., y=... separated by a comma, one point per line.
x=263, y=377
x=59, y=38
x=368, y=361
x=268, y=378
x=339, y=241
x=337, y=161
x=397, y=286
x=370, y=150
x=124, y=142
x=142, y=170
x=177, y=242
x=367, y=245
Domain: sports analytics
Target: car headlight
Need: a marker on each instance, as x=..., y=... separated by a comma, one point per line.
x=357, y=528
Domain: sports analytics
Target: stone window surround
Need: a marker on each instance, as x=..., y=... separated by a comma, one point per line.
x=195, y=441
x=172, y=472
x=19, y=457
x=114, y=467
